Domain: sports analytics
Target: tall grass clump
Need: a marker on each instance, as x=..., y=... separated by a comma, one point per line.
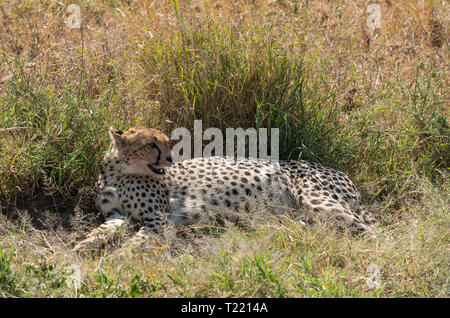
x=240, y=78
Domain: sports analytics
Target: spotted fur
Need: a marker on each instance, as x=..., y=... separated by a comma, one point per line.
x=138, y=181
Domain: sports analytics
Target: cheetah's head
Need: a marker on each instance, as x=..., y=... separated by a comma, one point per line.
x=143, y=151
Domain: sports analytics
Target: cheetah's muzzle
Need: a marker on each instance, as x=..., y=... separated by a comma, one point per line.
x=161, y=172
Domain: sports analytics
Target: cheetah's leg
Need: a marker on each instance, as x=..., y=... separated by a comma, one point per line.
x=345, y=219
x=101, y=235
x=142, y=237
x=150, y=227
x=337, y=215
x=349, y=220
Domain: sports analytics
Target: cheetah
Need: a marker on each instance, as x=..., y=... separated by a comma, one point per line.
x=138, y=181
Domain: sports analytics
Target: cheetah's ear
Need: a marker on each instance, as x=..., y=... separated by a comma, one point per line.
x=116, y=137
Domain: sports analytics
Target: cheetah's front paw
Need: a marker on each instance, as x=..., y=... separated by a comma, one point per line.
x=93, y=243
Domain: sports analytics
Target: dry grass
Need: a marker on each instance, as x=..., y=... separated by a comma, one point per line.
x=371, y=102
